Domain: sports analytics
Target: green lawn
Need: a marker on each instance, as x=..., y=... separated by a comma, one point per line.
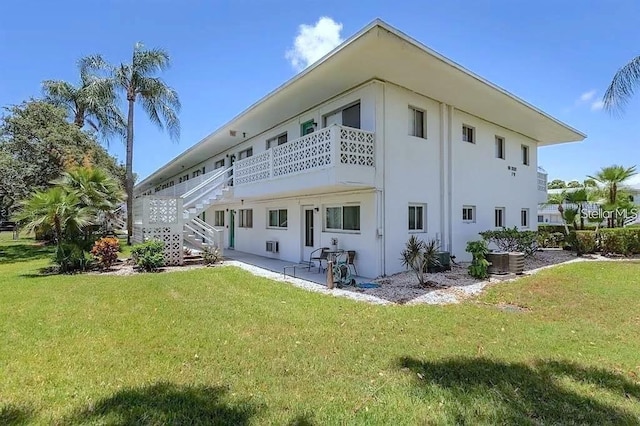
x=218, y=345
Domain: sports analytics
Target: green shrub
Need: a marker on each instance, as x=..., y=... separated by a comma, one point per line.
x=550, y=239
x=70, y=257
x=211, y=255
x=586, y=241
x=623, y=241
x=419, y=256
x=479, y=267
x=149, y=255
x=511, y=239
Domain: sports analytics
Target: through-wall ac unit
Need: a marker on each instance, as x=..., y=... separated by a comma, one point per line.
x=272, y=246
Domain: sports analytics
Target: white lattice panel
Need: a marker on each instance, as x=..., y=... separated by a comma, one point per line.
x=172, y=239
x=357, y=147
x=312, y=151
x=163, y=211
x=253, y=169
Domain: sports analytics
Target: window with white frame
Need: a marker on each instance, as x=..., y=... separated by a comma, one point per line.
x=342, y=218
x=348, y=116
x=277, y=218
x=500, y=147
x=417, y=217
x=525, y=155
x=468, y=134
x=499, y=217
x=246, y=218
x=417, y=123
x=218, y=218
x=278, y=140
x=245, y=153
x=524, y=218
x=469, y=213
x=540, y=218
x=218, y=164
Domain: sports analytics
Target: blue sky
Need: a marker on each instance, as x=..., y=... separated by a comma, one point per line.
x=558, y=55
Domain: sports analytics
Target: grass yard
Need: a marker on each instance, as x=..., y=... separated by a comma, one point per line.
x=220, y=346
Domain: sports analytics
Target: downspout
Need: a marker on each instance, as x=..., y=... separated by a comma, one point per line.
x=382, y=202
x=444, y=218
x=450, y=178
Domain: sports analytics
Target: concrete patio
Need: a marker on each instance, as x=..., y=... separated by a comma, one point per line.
x=277, y=265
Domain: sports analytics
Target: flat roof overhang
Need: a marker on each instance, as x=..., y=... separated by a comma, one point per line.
x=381, y=52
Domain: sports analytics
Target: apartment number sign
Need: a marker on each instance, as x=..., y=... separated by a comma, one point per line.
x=512, y=169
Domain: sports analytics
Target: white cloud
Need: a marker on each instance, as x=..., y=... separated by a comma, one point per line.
x=597, y=105
x=587, y=96
x=313, y=42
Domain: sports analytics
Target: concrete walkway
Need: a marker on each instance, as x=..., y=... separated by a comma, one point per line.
x=277, y=265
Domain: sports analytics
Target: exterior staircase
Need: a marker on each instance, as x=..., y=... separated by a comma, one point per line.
x=198, y=234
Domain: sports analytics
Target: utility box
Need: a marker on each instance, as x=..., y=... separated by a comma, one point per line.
x=499, y=263
x=516, y=262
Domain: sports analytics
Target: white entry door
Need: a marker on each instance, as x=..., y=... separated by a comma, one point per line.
x=310, y=232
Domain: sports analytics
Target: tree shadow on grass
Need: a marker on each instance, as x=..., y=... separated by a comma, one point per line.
x=166, y=404
x=13, y=415
x=479, y=390
x=22, y=252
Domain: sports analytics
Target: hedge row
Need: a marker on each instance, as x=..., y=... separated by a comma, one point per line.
x=625, y=241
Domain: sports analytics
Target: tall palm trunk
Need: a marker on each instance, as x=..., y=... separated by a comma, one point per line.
x=129, y=171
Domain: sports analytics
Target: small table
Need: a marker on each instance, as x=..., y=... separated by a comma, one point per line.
x=332, y=256
x=290, y=267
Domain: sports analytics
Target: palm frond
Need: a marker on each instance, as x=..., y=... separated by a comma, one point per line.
x=622, y=86
x=149, y=61
x=161, y=103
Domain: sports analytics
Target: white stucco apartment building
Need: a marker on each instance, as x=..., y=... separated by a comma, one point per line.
x=381, y=139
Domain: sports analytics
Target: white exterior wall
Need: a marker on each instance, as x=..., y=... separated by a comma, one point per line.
x=253, y=240
x=482, y=180
x=411, y=171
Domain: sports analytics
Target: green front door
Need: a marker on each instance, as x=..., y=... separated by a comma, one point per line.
x=232, y=228
x=306, y=128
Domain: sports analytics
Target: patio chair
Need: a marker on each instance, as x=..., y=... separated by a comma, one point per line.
x=319, y=255
x=351, y=257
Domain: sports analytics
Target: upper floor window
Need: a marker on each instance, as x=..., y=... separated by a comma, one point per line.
x=349, y=116
x=245, y=153
x=417, y=123
x=499, y=147
x=218, y=164
x=525, y=155
x=278, y=140
x=468, y=134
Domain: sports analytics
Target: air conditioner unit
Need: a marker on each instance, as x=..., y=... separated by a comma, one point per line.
x=272, y=246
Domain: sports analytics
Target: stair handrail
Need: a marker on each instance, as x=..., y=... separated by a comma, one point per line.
x=205, y=183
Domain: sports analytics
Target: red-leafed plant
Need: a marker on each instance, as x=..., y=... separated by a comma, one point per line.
x=105, y=250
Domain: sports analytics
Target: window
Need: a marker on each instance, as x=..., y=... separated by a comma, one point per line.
x=184, y=178
x=246, y=153
x=278, y=218
x=540, y=218
x=468, y=134
x=416, y=217
x=525, y=155
x=499, y=217
x=218, y=218
x=345, y=218
x=499, y=147
x=196, y=173
x=349, y=116
x=278, y=140
x=246, y=218
x=218, y=164
x=524, y=218
x=469, y=213
x=417, y=123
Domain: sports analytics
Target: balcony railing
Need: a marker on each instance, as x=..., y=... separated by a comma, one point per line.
x=183, y=187
x=324, y=148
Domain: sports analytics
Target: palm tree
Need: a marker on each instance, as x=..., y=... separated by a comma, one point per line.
x=612, y=177
x=93, y=101
x=94, y=188
x=159, y=101
x=622, y=86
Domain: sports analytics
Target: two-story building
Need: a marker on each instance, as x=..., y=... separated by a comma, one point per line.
x=381, y=139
